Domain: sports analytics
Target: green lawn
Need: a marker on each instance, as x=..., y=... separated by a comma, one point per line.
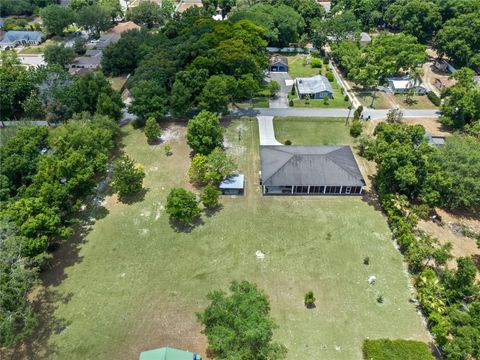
x=419, y=102
x=297, y=67
x=39, y=49
x=261, y=102
x=137, y=282
x=380, y=102
x=305, y=131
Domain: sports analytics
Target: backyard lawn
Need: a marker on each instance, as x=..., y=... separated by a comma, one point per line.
x=296, y=67
x=304, y=131
x=134, y=282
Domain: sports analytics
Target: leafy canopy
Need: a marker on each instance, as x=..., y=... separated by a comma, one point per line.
x=238, y=325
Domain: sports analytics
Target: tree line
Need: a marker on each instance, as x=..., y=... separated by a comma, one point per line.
x=450, y=26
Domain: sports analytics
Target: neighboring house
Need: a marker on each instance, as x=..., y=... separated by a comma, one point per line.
x=316, y=87
x=121, y=27
x=404, y=84
x=233, y=185
x=15, y=38
x=91, y=60
x=434, y=140
x=167, y=353
x=309, y=170
x=183, y=5
x=365, y=38
x=278, y=63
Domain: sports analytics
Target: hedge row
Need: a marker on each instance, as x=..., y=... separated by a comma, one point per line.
x=386, y=349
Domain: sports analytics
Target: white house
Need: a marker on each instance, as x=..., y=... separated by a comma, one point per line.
x=403, y=85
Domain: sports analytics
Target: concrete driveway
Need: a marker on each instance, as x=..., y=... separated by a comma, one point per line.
x=281, y=100
x=266, y=132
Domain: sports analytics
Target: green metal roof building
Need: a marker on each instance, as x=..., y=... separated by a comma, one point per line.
x=167, y=353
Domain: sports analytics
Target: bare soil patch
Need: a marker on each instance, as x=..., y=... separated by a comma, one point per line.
x=433, y=126
x=448, y=232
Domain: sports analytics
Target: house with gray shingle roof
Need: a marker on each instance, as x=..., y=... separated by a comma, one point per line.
x=316, y=87
x=15, y=38
x=309, y=170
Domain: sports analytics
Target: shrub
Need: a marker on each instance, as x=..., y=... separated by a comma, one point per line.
x=168, y=150
x=326, y=60
x=386, y=349
x=209, y=196
x=309, y=299
x=316, y=63
x=290, y=103
x=421, y=210
x=356, y=128
x=288, y=142
x=366, y=260
x=329, y=76
x=380, y=299
x=434, y=98
x=345, y=98
x=152, y=130
x=182, y=205
x=127, y=177
x=325, y=100
x=293, y=90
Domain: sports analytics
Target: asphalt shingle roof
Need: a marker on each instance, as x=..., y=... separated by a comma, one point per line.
x=313, y=85
x=13, y=36
x=309, y=165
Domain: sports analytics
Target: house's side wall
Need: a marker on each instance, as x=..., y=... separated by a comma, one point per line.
x=322, y=94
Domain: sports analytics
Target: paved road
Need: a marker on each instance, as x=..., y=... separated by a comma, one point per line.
x=310, y=112
x=281, y=100
x=266, y=132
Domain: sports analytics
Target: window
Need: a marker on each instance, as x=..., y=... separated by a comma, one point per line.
x=348, y=190
x=301, y=189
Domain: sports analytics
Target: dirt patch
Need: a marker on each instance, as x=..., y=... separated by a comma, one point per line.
x=450, y=231
x=433, y=126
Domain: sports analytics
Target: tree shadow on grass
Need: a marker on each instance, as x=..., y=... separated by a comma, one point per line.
x=209, y=212
x=38, y=346
x=180, y=227
x=134, y=198
x=371, y=198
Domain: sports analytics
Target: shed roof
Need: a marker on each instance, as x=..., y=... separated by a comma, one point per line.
x=309, y=165
x=167, y=353
x=275, y=59
x=234, y=181
x=14, y=35
x=313, y=85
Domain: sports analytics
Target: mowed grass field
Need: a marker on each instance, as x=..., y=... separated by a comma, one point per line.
x=310, y=131
x=138, y=282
